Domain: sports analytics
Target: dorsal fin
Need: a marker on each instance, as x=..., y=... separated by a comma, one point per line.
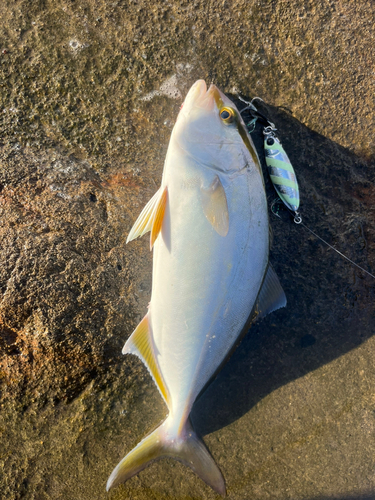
x=215, y=206
x=271, y=295
x=270, y=235
x=141, y=344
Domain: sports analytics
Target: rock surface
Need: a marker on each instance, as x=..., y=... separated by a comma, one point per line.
x=89, y=94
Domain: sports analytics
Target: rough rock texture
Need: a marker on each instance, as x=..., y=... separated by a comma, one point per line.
x=89, y=91
x=64, y=280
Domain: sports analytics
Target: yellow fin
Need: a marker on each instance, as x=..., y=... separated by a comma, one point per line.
x=215, y=206
x=144, y=221
x=185, y=447
x=158, y=216
x=141, y=344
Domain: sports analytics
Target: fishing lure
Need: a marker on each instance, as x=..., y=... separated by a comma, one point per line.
x=280, y=168
x=282, y=174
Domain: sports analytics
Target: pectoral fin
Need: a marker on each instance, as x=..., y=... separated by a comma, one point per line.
x=271, y=295
x=141, y=344
x=215, y=206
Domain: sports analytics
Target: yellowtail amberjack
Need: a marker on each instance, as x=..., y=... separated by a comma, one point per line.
x=210, y=235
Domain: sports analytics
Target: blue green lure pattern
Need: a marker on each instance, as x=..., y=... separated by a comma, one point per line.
x=280, y=170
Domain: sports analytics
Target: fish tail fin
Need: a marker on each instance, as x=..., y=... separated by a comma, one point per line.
x=185, y=447
x=191, y=451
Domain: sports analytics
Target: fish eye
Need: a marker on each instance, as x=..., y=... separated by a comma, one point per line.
x=227, y=115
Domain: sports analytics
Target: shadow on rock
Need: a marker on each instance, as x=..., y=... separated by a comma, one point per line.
x=330, y=306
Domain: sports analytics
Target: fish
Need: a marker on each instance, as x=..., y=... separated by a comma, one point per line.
x=211, y=275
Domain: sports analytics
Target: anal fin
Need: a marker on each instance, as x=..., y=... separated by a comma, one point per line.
x=141, y=344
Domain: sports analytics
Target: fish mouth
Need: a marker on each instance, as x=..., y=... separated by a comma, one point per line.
x=197, y=91
x=199, y=96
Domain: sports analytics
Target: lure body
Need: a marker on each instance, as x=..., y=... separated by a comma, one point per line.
x=281, y=171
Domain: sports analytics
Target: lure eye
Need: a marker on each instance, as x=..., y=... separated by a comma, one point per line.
x=227, y=115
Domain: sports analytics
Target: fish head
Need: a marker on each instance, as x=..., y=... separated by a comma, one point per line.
x=209, y=128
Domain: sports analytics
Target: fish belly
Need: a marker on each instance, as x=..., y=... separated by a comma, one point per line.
x=204, y=284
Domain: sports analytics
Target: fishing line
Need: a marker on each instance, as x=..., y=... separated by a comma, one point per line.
x=335, y=249
x=282, y=174
x=297, y=219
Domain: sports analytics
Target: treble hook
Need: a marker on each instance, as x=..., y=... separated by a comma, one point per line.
x=253, y=99
x=250, y=105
